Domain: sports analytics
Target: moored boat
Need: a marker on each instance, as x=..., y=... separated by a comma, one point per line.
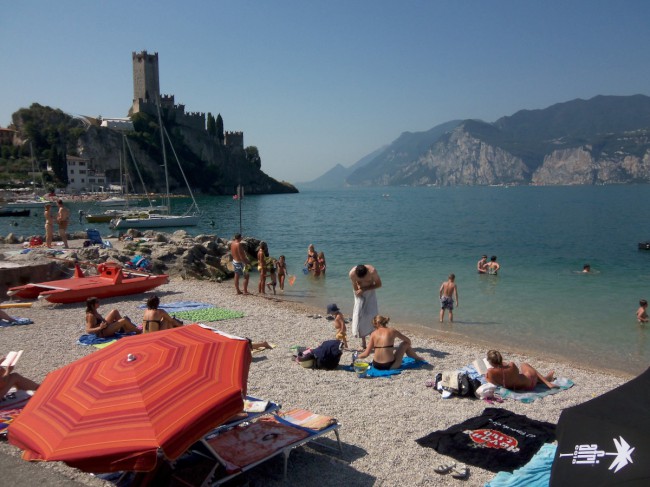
x=110, y=281
x=11, y=212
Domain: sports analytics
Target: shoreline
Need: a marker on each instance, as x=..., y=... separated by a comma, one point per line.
x=380, y=417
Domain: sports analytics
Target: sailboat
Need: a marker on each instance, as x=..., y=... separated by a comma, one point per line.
x=152, y=220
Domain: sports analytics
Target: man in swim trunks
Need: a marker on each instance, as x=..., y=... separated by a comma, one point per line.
x=63, y=219
x=240, y=263
x=447, y=291
x=481, y=265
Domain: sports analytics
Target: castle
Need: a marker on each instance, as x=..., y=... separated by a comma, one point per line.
x=146, y=92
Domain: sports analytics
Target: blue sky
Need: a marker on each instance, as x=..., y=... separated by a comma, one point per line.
x=313, y=84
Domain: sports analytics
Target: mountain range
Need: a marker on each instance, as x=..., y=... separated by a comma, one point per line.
x=603, y=140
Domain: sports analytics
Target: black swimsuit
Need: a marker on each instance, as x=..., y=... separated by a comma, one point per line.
x=146, y=329
x=380, y=365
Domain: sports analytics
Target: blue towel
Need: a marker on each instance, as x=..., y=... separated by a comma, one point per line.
x=407, y=363
x=16, y=321
x=179, y=306
x=536, y=473
x=92, y=339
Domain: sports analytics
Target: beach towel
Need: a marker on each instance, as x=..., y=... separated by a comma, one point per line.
x=498, y=440
x=536, y=473
x=365, y=309
x=179, y=306
x=16, y=321
x=245, y=445
x=92, y=339
x=208, y=314
x=407, y=363
x=11, y=406
x=306, y=419
x=540, y=391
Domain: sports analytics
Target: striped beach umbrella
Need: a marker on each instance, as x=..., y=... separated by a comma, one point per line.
x=143, y=396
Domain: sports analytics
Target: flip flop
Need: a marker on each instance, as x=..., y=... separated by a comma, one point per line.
x=444, y=468
x=460, y=472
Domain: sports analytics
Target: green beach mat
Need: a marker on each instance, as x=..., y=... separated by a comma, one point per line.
x=208, y=314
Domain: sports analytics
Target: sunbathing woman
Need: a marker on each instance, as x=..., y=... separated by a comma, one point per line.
x=9, y=379
x=155, y=319
x=382, y=340
x=109, y=326
x=510, y=377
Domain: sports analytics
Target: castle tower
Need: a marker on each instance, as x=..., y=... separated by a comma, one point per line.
x=146, y=84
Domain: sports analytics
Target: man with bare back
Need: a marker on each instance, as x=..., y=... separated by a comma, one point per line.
x=240, y=263
x=447, y=292
x=365, y=280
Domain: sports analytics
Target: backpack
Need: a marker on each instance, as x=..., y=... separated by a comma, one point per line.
x=328, y=354
x=458, y=383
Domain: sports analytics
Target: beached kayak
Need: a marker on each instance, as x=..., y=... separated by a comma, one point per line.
x=110, y=281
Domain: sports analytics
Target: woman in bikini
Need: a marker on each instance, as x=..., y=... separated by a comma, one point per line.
x=382, y=341
x=109, y=326
x=155, y=319
x=322, y=265
x=509, y=376
x=312, y=258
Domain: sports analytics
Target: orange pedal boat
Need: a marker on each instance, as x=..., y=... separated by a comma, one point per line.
x=110, y=281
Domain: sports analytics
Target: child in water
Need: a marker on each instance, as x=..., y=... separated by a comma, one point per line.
x=339, y=324
x=642, y=313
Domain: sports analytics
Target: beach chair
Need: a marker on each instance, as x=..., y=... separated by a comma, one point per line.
x=241, y=446
x=95, y=238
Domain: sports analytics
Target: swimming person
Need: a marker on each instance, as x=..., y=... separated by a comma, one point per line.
x=382, y=341
x=365, y=280
x=481, y=265
x=493, y=266
x=511, y=377
x=642, y=312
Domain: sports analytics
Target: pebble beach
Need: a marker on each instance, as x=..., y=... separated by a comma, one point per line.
x=380, y=417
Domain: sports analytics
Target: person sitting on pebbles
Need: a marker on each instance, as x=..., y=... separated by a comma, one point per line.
x=9, y=379
x=109, y=326
x=382, y=341
x=155, y=319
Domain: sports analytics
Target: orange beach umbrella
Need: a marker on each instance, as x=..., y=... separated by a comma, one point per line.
x=117, y=408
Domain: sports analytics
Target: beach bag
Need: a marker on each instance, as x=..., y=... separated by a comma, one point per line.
x=328, y=354
x=485, y=391
x=35, y=241
x=458, y=383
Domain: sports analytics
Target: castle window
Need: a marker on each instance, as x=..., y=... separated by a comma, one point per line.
x=71, y=171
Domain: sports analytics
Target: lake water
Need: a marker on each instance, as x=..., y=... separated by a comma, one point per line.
x=415, y=237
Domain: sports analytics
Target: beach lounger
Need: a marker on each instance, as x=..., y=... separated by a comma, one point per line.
x=241, y=446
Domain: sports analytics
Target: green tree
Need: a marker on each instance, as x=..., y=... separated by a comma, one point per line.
x=212, y=125
x=253, y=156
x=220, y=135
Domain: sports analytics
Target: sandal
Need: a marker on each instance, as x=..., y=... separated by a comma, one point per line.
x=444, y=468
x=460, y=472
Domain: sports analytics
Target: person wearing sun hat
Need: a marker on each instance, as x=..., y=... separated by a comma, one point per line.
x=339, y=323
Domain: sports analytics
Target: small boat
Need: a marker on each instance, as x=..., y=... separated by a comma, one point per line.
x=10, y=212
x=113, y=201
x=644, y=245
x=110, y=281
x=27, y=203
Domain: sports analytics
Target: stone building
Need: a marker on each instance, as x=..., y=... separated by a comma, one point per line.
x=84, y=176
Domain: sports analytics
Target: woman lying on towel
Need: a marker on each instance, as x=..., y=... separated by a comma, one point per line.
x=511, y=377
x=382, y=341
x=155, y=319
x=109, y=326
x=9, y=379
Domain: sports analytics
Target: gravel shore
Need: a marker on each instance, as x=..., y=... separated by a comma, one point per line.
x=380, y=417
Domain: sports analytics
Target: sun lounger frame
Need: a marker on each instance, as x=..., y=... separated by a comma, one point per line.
x=202, y=447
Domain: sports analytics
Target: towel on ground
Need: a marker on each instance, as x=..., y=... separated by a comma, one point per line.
x=540, y=391
x=11, y=405
x=407, y=363
x=536, y=473
x=92, y=339
x=498, y=440
x=16, y=321
x=208, y=314
x=365, y=309
x=178, y=306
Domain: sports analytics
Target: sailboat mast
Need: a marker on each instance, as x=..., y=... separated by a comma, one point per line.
x=162, y=140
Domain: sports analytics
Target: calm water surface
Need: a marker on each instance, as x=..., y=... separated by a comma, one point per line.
x=415, y=237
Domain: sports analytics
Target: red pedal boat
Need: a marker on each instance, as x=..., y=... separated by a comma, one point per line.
x=110, y=281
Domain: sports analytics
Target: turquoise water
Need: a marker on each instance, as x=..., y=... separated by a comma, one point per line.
x=415, y=237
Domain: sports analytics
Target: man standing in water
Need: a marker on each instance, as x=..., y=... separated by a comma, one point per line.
x=481, y=265
x=63, y=219
x=365, y=280
x=239, y=262
x=447, y=292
